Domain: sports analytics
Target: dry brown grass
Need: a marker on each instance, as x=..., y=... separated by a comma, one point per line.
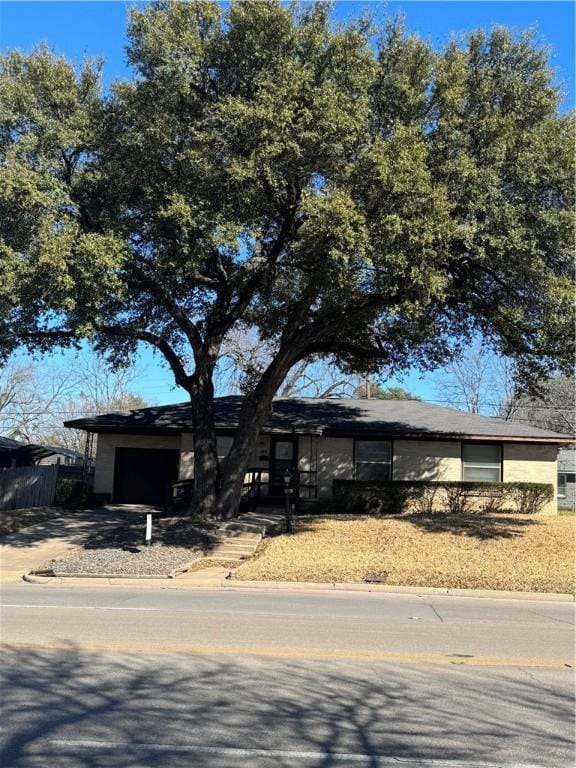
x=476, y=551
x=205, y=562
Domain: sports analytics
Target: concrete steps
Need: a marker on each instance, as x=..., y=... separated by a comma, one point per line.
x=263, y=522
x=238, y=539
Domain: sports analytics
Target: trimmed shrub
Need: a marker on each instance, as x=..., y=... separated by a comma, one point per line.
x=426, y=501
x=457, y=498
x=382, y=498
x=71, y=493
x=530, y=498
x=393, y=497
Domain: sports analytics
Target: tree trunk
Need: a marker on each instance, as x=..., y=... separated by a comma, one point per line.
x=205, y=448
x=254, y=414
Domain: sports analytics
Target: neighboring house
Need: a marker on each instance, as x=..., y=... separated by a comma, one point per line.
x=142, y=453
x=567, y=477
x=64, y=456
x=13, y=453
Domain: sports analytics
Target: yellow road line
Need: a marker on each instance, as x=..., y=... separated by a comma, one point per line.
x=299, y=653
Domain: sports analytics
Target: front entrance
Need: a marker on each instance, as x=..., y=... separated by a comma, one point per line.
x=145, y=475
x=283, y=456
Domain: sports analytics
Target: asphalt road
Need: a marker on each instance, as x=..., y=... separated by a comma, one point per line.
x=106, y=678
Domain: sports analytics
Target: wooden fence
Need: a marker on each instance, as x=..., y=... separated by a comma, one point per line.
x=22, y=487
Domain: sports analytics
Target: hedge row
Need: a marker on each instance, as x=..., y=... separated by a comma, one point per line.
x=398, y=496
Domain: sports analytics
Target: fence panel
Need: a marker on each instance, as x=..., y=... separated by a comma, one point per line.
x=22, y=487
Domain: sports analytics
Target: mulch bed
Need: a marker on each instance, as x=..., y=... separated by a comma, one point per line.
x=122, y=552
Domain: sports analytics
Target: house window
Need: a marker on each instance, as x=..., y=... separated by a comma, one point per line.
x=373, y=459
x=563, y=479
x=482, y=462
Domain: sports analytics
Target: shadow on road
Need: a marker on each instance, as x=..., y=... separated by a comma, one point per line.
x=309, y=706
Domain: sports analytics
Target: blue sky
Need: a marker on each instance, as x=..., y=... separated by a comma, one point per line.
x=78, y=29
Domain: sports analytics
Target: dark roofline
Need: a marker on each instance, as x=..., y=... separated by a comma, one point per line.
x=409, y=419
x=447, y=436
x=17, y=449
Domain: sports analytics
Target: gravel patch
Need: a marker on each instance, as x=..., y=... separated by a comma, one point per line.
x=156, y=560
x=121, y=551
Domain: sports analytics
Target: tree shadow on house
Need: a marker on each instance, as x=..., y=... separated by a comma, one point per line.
x=78, y=709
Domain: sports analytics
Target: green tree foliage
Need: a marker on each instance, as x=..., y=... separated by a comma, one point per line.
x=266, y=169
x=377, y=392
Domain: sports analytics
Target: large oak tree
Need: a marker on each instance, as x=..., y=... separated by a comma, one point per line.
x=372, y=200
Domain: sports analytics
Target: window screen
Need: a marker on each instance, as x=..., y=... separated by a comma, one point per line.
x=562, y=482
x=481, y=462
x=373, y=460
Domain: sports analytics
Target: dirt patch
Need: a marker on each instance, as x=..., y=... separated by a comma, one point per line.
x=506, y=552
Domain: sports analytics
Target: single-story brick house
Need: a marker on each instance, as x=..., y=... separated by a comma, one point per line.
x=142, y=453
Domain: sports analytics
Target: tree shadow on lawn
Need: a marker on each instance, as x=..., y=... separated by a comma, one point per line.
x=76, y=709
x=476, y=525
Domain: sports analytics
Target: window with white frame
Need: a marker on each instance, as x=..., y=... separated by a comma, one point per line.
x=482, y=462
x=373, y=459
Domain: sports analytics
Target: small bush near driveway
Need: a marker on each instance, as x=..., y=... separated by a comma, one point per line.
x=460, y=551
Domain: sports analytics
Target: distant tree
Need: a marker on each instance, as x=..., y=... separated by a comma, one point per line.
x=479, y=381
x=96, y=389
x=29, y=399
x=15, y=394
x=554, y=408
x=36, y=398
x=377, y=392
x=245, y=356
x=265, y=168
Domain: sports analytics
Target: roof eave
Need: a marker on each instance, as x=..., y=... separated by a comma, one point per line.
x=318, y=431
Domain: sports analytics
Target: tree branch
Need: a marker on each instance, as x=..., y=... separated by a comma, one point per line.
x=189, y=328
x=160, y=343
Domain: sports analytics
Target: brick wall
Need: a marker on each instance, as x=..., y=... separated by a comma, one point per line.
x=532, y=463
x=335, y=460
x=427, y=460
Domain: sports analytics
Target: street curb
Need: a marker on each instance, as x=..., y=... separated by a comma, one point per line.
x=492, y=594
x=297, y=586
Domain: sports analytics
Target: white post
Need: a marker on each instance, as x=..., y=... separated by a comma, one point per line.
x=148, y=528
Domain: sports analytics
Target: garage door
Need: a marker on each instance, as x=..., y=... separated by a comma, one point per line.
x=144, y=475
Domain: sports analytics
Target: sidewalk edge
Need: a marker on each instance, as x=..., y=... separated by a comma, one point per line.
x=301, y=586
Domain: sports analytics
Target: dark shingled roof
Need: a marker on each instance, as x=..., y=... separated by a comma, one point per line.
x=18, y=450
x=328, y=417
